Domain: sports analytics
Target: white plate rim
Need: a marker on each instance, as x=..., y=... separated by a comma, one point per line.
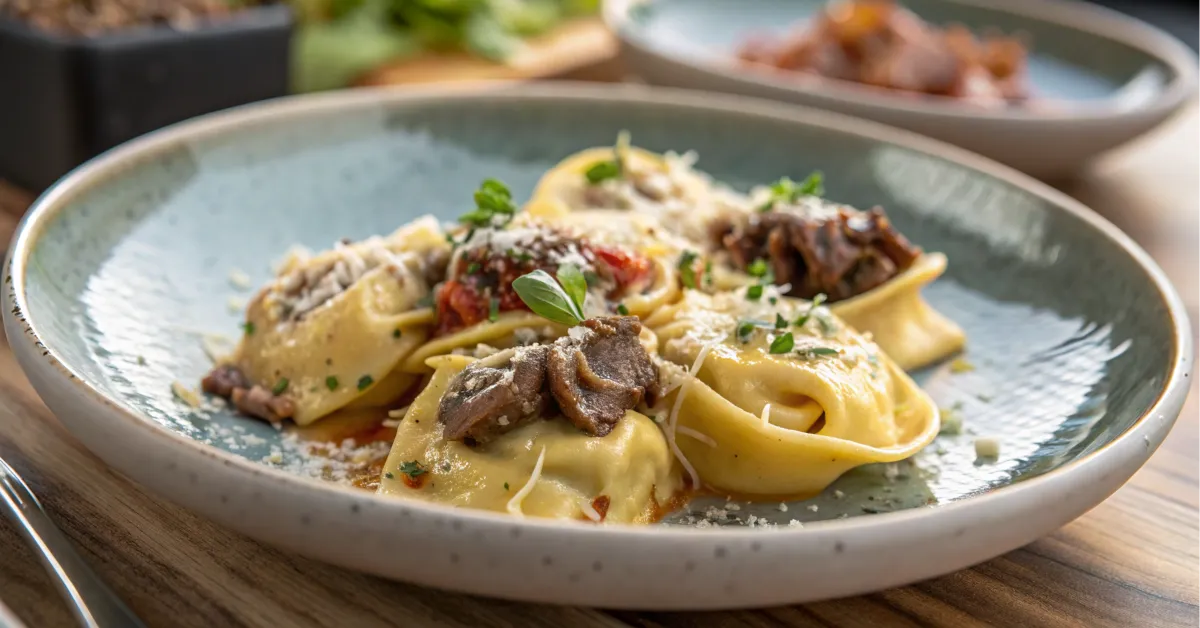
x=1110, y=466
x=1097, y=20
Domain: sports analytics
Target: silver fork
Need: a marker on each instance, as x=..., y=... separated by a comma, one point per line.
x=92, y=602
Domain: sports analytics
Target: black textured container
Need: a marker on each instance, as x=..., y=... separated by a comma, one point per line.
x=63, y=100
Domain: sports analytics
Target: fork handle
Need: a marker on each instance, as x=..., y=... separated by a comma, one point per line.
x=92, y=602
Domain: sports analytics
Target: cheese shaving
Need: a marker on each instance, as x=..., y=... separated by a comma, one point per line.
x=185, y=394
x=514, y=504
x=673, y=419
x=766, y=415
x=240, y=280
x=590, y=511
x=700, y=436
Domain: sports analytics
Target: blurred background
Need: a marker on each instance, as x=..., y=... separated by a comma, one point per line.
x=80, y=76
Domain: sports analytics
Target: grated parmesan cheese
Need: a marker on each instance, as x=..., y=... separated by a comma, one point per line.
x=514, y=504
x=673, y=419
x=240, y=280
x=987, y=447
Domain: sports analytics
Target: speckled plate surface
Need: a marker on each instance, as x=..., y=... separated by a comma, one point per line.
x=1078, y=347
x=1099, y=78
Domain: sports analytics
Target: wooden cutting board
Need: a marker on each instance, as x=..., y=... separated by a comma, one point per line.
x=581, y=48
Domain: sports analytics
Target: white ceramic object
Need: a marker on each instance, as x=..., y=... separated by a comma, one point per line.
x=279, y=160
x=1109, y=78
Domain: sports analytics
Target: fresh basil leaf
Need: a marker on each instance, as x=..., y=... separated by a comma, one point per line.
x=602, y=170
x=574, y=283
x=547, y=298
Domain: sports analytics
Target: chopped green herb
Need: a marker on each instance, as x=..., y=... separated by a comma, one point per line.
x=744, y=329
x=708, y=273
x=622, y=310
x=248, y=327
x=493, y=309
x=758, y=268
x=141, y=360
x=816, y=302
x=754, y=292
x=687, y=269
x=780, y=322
x=787, y=191
x=506, y=486
x=772, y=300
x=603, y=170
x=389, y=475
x=574, y=283
x=815, y=352
x=396, y=333
x=547, y=298
x=280, y=386
x=331, y=382
x=783, y=343
x=365, y=382
x=413, y=469
x=473, y=268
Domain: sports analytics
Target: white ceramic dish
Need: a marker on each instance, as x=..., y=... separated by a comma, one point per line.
x=115, y=265
x=1107, y=78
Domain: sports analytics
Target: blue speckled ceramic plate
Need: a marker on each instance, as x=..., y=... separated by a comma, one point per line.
x=1099, y=79
x=1078, y=345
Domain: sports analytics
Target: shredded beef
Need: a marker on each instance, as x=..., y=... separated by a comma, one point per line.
x=841, y=256
x=495, y=395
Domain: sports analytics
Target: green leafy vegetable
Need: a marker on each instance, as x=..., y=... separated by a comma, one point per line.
x=331, y=382
x=603, y=170
x=574, y=283
x=780, y=322
x=787, y=191
x=783, y=343
x=365, y=382
x=754, y=292
x=687, y=269
x=547, y=298
x=413, y=469
x=494, y=206
x=816, y=302
x=622, y=310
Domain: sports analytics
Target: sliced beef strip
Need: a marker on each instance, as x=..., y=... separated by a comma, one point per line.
x=260, y=402
x=598, y=375
x=840, y=256
x=229, y=382
x=495, y=395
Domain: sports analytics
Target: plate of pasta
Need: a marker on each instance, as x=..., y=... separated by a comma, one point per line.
x=645, y=349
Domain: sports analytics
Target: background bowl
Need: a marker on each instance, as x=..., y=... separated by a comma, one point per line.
x=1105, y=78
x=1078, y=347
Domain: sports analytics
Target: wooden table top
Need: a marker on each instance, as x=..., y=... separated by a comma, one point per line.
x=1133, y=560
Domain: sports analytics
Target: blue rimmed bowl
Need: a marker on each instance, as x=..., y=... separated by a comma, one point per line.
x=1099, y=78
x=1079, y=350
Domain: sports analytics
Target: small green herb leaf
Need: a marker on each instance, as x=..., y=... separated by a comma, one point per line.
x=754, y=292
x=473, y=268
x=493, y=309
x=758, y=268
x=622, y=310
x=248, y=327
x=787, y=191
x=413, y=469
x=817, y=352
x=493, y=205
x=280, y=386
x=331, y=382
x=816, y=302
x=574, y=283
x=506, y=486
x=780, y=322
x=783, y=343
x=603, y=170
x=546, y=298
x=687, y=269
x=389, y=475
x=396, y=333
x=365, y=382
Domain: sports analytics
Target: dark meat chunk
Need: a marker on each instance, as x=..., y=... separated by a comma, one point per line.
x=495, y=395
x=260, y=402
x=597, y=377
x=841, y=256
x=222, y=380
x=229, y=382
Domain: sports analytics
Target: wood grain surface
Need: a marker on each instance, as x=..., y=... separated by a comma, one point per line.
x=1132, y=561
